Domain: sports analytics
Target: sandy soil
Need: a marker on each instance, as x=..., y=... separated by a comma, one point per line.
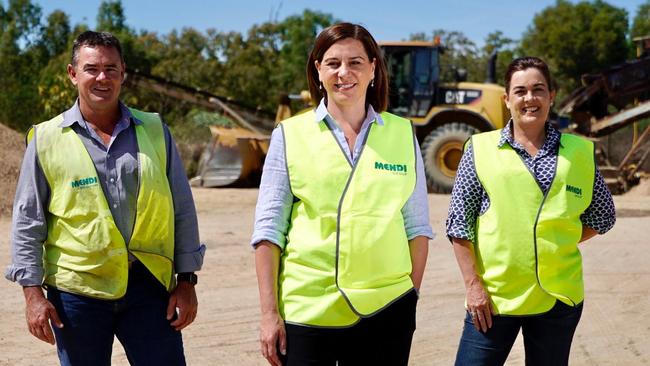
x=12, y=149
x=614, y=329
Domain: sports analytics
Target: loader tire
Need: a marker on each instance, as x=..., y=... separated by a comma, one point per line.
x=441, y=153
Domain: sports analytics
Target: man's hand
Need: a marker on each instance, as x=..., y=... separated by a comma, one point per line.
x=38, y=312
x=184, y=298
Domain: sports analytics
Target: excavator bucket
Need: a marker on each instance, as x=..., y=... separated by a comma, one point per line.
x=234, y=157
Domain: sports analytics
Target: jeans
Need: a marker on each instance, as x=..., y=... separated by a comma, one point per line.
x=138, y=320
x=547, y=338
x=382, y=339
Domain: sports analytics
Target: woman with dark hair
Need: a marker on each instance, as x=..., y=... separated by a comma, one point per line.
x=341, y=226
x=523, y=199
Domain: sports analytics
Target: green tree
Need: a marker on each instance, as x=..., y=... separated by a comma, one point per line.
x=20, y=31
x=55, y=91
x=178, y=57
x=297, y=36
x=641, y=23
x=269, y=60
x=248, y=65
x=110, y=17
x=575, y=39
x=56, y=34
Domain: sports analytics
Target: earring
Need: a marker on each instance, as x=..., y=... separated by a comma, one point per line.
x=320, y=87
x=372, y=83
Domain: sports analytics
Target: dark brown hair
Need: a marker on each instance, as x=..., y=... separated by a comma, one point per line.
x=377, y=96
x=94, y=39
x=527, y=62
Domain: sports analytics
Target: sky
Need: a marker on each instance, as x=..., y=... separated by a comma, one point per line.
x=385, y=19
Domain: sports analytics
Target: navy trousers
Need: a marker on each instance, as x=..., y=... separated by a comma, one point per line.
x=547, y=338
x=138, y=320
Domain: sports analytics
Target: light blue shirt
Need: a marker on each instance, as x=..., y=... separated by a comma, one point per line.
x=117, y=169
x=275, y=198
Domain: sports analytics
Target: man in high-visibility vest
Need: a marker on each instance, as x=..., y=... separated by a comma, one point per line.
x=104, y=219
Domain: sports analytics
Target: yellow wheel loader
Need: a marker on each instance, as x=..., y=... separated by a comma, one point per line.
x=445, y=114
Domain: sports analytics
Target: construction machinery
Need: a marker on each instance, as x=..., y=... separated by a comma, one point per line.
x=445, y=115
x=608, y=101
x=235, y=154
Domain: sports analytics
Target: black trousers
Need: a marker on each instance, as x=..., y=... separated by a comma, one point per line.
x=382, y=339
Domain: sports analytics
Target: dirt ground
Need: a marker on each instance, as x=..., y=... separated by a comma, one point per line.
x=614, y=330
x=12, y=149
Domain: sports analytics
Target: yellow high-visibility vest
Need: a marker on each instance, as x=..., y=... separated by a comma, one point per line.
x=526, y=247
x=85, y=253
x=347, y=254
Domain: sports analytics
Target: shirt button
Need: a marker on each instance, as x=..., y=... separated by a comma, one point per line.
x=115, y=205
x=112, y=180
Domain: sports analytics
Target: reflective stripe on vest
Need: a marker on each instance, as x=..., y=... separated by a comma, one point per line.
x=85, y=253
x=347, y=253
x=526, y=247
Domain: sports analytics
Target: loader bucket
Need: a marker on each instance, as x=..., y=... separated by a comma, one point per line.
x=234, y=157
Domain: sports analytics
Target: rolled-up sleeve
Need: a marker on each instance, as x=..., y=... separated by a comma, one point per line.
x=29, y=226
x=601, y=213
x=275, y=197
x=416, y=210
x=467, y=197
x=188, y=250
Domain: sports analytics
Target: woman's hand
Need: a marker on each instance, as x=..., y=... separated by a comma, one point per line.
x=272, y=332
x=479, y=306
x=419, y=249
x=273, y=338
x=477, y=299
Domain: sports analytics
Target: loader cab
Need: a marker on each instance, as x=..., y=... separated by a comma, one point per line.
x=414, y=71
x=642, y=46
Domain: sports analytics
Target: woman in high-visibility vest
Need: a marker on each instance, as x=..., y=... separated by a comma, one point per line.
x=341, y=227
x=523, y=199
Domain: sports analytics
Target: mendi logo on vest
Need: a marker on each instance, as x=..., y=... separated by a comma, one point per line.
x=84, y=182
x=575, y=190
x=394, y=168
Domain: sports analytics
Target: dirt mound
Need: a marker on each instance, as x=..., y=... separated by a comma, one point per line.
x=641, y=189
x=12, y=149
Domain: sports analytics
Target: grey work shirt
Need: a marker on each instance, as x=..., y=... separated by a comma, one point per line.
x=117, y=170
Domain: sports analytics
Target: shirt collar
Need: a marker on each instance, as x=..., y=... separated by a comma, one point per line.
x=550, y=144
x=371, y=116
x=73, y=115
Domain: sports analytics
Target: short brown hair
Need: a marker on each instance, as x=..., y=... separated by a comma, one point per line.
x=528, y=62
x=376, y=96
x=94, y=39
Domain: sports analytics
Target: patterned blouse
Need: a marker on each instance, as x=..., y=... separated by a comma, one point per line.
x=469, y=199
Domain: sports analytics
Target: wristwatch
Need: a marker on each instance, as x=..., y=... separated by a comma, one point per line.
x=187, y=277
